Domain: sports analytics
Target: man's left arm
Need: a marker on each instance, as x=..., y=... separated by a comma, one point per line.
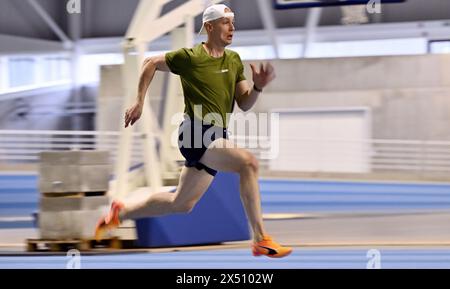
x=246, y=96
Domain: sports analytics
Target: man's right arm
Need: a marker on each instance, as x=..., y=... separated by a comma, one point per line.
x=150, y=65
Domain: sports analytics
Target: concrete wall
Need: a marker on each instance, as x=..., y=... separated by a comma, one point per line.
x=110, y=110
x=409, y=95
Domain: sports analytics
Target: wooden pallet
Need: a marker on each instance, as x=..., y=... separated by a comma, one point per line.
x=35, y=245
x=73, y=194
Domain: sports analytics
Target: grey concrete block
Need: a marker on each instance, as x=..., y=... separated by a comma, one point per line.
x=52, y=204
x=74, y=178
x=69, y=224
x=94, y=203
x=75, y=158
x=125, y=233
x=94, y=178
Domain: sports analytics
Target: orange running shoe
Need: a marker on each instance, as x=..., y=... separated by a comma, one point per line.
x=110, y=221
x=270, y=248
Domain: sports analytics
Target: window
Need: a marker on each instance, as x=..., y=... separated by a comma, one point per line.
x=255, y=52
x=21, y=71
x=407, y=46
x=439, y=46
x=55, y=68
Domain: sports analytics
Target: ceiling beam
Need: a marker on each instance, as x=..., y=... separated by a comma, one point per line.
x=265, y=9
x=146, y=12
x=432, y=30
x=19, y=45
x=146, y=27
x=50, y=22
x=312, y=22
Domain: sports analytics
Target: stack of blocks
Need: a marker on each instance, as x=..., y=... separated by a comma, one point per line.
x=73, y=186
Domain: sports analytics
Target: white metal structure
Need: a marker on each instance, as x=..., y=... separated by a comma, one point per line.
x=312, y=22
x=417, y=156
x=139, y=34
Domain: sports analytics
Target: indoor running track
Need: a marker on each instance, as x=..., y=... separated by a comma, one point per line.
x=302, y=258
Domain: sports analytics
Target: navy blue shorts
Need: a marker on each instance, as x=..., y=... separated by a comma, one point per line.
x=194, y=139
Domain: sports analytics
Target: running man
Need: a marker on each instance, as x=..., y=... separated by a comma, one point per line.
x=212, y=78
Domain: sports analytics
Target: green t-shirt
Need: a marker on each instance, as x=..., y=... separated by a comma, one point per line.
x=207, y=81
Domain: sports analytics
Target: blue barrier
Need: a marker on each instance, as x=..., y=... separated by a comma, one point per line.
x=218, y=217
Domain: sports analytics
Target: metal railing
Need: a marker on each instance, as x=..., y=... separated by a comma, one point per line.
x=24, y=146
x=376, y=155
x=371, y=155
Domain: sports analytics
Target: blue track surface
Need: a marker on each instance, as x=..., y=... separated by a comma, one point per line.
x=242, y=259
x=19, y=197
x=295, y=196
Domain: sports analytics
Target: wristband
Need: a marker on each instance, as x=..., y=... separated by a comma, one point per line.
x=257, y=89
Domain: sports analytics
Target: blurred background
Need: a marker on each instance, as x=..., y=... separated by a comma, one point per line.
x=362, y=97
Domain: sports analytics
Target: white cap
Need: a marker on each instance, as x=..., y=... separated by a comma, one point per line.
x=214, y=12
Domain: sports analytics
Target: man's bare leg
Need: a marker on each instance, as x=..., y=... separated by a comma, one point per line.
x=222, y=155
x=193, y=183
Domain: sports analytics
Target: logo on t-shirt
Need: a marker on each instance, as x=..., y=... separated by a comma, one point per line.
x=222, y=71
